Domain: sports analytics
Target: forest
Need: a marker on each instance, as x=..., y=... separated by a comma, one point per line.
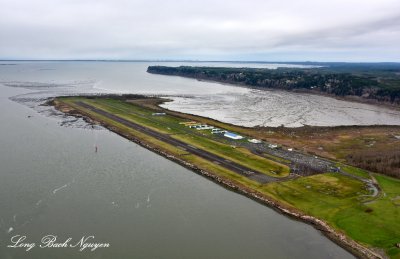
x=374, y=82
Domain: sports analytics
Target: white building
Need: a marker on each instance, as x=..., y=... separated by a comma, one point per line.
x=232, y=135
x=159, y=114
x=255, y=141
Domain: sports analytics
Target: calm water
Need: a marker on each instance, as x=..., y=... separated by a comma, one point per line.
x=52, y=182
x=231, y=104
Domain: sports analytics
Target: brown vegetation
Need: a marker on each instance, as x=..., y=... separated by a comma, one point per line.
x=387, y=163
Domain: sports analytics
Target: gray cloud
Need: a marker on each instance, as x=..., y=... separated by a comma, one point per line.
x=208, y=29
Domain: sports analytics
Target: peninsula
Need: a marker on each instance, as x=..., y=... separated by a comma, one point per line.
x=356, y=208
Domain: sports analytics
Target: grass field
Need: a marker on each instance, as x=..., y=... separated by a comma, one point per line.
x=343, y=201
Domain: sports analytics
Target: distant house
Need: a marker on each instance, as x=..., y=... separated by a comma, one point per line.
x=204, y=127
x=232, y=135
x=218, y=131
x=255, y=141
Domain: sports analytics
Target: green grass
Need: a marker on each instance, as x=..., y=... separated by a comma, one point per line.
x=353, y=170
x=275, y=158
x=222, y=172
x=340, y=201
x=239, y=155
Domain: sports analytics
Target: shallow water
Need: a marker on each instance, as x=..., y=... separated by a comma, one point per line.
x=275, y=108
x=145, y=206
x=227, y=103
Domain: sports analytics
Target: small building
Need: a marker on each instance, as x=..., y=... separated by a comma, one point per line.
x=218, y=131
x=159, y=114
x=272, y=146
x=255, y=141
x=232, y=135
x=205, y=127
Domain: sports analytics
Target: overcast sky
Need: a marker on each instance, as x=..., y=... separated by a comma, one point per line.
x=262, y=30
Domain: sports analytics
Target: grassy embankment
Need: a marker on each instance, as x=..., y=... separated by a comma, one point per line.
x=344, y=203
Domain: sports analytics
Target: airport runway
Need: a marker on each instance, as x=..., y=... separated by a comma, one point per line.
x=228, y=164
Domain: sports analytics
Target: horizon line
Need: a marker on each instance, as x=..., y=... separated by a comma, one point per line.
x=200, y=61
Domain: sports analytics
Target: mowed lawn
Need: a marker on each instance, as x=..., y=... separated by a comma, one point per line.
x=345, y=203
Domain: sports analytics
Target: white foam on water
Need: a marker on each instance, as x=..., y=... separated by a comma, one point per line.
x=60, y=188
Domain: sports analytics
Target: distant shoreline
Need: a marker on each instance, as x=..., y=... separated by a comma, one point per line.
x=198, y=75
x=348, y=98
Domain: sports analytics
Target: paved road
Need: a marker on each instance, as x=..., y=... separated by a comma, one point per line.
x=228, y=164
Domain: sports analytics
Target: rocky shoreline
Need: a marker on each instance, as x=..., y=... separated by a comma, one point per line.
x=341, y=239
